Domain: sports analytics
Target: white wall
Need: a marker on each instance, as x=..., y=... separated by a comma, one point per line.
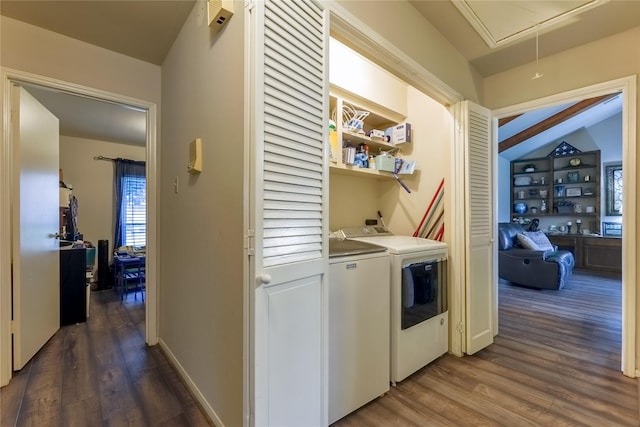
x=580, y=139
x=201, y=224
x=608, y=136
x=92, y=182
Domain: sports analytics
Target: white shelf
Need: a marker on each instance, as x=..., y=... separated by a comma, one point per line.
x=376, y=146
x=342, y=169
x=379, y=118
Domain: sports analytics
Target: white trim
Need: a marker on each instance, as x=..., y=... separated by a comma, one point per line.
x=191, y=385
x=495, y=194
x=248, y=289
x=151, y=311
x=627, y=85
x=457, y=253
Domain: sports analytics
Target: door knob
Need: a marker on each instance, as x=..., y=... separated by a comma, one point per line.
x=263, y=279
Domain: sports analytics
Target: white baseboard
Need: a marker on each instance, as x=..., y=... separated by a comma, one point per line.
x=206, y=407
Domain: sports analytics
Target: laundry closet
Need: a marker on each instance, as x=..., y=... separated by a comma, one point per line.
x=389, y=162
x=356, y=195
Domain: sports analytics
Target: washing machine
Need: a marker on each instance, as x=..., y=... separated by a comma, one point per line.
x=418, y=278
x=359, y=316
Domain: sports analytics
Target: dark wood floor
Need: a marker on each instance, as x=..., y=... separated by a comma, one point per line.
x=556, y=362
x=100, y=373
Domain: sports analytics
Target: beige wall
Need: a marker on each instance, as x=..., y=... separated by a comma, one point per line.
x=403, y=26
x=201, y=225
x=92, y=182
x=604, y=60
x=354, y=198
x=431, y=130
x=32, y=49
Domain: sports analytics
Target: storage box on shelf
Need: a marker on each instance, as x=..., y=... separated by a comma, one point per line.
x=557, y=186
x=354, y=134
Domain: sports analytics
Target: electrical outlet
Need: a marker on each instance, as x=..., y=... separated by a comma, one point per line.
x=175, y=185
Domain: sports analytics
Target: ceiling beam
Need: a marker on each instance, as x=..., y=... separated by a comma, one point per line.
x=552, y=121
x=503, y=121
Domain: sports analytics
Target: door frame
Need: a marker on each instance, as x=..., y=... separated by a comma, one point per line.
x=627, y=86
x=7, y=76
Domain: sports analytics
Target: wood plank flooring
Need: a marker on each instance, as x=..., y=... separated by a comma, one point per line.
x=556, y=362
x=100, y=373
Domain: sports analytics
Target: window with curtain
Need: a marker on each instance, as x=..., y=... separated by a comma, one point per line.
x=131, y=203
x=134, y=211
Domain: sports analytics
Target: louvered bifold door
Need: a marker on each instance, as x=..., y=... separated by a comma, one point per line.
x=479, y=227
x=290, y=91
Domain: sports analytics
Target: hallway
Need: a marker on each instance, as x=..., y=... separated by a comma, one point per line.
x=100, y=373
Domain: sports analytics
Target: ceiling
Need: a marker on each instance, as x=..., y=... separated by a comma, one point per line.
x=90, y=118
x=596, y=113
x=601, y=21
x=145, y=29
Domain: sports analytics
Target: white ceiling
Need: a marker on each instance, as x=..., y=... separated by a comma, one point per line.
x=145, y=29
x=89, y=118
x=586, y=119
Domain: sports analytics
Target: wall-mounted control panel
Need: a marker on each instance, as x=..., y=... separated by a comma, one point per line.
x=195, y=156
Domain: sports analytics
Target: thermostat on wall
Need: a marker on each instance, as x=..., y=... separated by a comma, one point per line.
x=195, y=156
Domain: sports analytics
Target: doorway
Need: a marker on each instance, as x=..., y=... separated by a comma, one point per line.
x=627, y=87
x=11, y=77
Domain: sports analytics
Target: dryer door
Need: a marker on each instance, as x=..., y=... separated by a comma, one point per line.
x=424, y=291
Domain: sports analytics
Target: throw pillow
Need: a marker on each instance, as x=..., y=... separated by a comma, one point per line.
x=540, y=239
x=527, y=243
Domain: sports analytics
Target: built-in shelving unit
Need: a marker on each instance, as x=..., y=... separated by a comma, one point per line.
x=558, y=186
x=379, y=118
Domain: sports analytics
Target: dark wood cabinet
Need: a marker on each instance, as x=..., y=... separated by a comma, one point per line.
x=73, y=286
x=599, y=254
x=558, y=186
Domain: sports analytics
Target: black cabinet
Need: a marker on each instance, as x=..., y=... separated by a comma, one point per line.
x=73, y=286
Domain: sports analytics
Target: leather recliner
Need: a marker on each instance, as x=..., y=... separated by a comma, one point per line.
x=531, y=268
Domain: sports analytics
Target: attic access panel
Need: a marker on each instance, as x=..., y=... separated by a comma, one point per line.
x=501, y=22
